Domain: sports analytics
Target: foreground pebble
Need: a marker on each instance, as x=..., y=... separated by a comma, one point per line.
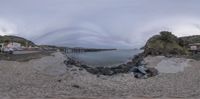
x=23, y=79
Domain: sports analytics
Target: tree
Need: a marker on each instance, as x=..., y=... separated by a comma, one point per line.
x=168, y=37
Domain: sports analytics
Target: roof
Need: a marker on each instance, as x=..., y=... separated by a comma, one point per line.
x=194, y=44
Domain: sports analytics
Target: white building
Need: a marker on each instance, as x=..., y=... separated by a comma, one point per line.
x=195, y=47
x=1, y=46
x=14, y=45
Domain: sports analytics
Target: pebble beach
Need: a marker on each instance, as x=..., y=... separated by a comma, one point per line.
x=49, y=78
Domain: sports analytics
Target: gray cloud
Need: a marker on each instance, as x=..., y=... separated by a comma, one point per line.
x=97, y=23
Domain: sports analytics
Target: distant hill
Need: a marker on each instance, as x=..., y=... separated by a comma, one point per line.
x=22, y=41
x=189, y=40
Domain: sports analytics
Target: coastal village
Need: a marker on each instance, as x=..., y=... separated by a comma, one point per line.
x=11, y=47
x=161, y=70
x=20, y=48
x=99, y=49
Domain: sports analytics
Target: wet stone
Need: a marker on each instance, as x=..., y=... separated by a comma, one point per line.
x=137, y=66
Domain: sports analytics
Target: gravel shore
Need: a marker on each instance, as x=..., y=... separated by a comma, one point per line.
x=49, y=77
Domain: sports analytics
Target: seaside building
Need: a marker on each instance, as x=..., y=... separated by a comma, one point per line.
x=1, y=46
x=195, y=47
x=14, y=45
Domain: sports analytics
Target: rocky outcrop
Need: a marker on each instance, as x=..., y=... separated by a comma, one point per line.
x=165, y=44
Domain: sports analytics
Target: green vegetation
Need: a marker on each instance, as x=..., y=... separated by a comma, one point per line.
x=189, y=40
x=164, y=44
x=22, y=41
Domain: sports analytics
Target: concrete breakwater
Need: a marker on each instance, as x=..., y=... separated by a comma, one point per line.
x=79, y=50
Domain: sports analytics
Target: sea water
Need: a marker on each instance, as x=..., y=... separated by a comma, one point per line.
x=105, y=58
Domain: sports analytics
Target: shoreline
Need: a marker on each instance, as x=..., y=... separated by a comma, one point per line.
x=50, y=77
x=135, y=66
x=105, y=58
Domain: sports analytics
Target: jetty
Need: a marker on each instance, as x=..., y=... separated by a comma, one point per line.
x=80, y=50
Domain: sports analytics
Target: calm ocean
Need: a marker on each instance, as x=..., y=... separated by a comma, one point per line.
x=105, y=58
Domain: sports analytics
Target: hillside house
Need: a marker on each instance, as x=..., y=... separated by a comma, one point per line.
x=14, y=45
x=195, y=47
x=1, y=46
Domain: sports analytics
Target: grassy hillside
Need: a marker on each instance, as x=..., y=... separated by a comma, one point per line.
x=23, y=41
x=189, y=40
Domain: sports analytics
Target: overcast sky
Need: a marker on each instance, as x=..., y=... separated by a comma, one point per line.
x=98, y=23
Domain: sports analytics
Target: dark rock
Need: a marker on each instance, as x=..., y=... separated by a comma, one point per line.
x=118, y=67
x=85, y=66
x=59, y=80
x=133, y=69
x=104, y=71
x=107, y=72
x=73, y=69
x=71, y=61
x=115, y=71
x=69, y=66
x=65, y=62
x=98, y=75
x=80, y=69
x=152, y=72
x=92, y=70
x=137, y=59
x=129, y=63
x=138, y=75
x=142, y=69
x=76, y=86
x=142, y=72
